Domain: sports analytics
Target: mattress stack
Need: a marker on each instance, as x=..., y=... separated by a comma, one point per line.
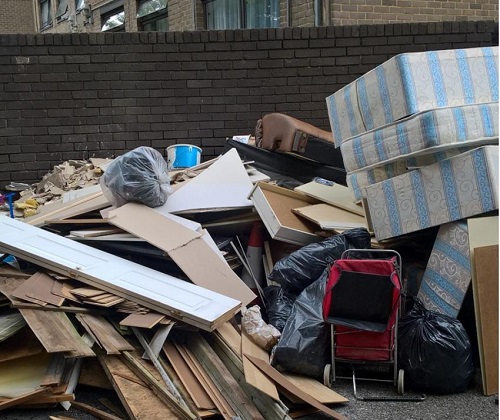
x=421, y=119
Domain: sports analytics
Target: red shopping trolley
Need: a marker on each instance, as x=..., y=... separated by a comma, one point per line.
x=362, y=304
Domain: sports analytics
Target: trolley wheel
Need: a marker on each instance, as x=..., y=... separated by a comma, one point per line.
x=327, y=376
x=401, y=378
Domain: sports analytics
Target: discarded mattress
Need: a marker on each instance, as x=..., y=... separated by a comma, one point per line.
x=463, y=186
x=359, y=180
x=428, y=131
x=410, y=83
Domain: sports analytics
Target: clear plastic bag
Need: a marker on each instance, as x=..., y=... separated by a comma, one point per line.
x=140, y=175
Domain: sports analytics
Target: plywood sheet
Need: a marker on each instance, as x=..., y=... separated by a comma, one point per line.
x=485, y=289
x=316, y=389
x=138, y=399
x=483, y=233
x=155, y=290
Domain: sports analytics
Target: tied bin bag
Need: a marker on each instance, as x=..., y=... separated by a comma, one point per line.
x=434, y=351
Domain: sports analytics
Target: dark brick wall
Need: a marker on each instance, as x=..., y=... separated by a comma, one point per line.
x=76, y=96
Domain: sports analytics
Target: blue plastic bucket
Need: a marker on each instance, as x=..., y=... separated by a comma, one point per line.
x=180, y=156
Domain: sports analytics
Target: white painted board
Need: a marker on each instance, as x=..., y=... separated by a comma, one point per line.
x=161, y=292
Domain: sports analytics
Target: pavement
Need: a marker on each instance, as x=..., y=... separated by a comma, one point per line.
x=471, y=404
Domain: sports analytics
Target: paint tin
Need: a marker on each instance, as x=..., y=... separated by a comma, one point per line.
x=180, y=156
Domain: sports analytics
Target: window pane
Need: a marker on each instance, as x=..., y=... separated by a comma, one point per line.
x=62, y=8
x=114, y=20
x=262, y=13
x=223, y=14
x=45, y=17
x=79, y=4
x=150, y=6
x=160, y=25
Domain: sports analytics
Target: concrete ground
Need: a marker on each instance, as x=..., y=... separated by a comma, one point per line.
x=468, y=405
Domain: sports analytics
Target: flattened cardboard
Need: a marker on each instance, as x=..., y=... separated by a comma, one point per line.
x=329, y=217
x=225, y=184
x=274, y=205
x=189, y=249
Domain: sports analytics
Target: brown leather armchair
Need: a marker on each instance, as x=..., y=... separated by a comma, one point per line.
x=287, y=134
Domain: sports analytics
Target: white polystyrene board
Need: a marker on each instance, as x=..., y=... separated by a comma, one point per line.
x=225, y=184
x=177, y=298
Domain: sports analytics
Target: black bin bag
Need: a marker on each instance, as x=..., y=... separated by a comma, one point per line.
x=278, y=305
x=435, y=352
x=302, y=267
x=304, y=346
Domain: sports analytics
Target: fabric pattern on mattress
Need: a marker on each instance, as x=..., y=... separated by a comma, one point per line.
x=410, y=83
x=437, y=128
x=359, y=180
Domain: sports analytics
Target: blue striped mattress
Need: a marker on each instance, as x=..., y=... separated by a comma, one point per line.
x=439, y=129
x=450, y=190
x=410, y=83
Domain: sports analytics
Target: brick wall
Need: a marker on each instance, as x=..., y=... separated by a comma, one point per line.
x=75, y=96
x=349, y=12
x=17, y=16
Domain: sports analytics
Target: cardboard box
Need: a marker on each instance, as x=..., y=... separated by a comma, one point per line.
x=453, y=189
x=275, y=204
x=413, y=82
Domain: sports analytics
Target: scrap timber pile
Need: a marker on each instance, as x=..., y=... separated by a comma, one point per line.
x=78, y=286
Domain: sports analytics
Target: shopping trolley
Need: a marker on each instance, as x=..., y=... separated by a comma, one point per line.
x=362, y=304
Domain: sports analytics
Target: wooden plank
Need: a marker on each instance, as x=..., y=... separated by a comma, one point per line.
x=483, y=232
x=222, y=378
x=253, y=375
x=159, y=387
x=61, y=210
x=485, y=289
x=158, y=291
x=285, y=383
x=316, y=389
x=56, y=332
x=230, y=336
x=55, y=370
x=148, y=320
x=95, y=411
x=29, y=396
x=110, y=339
x=139, y=401
x=190, y=381
x=220, y=402
x=22, y=344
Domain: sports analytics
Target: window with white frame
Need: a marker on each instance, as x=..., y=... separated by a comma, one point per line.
x=79, y=4
x=235, y=14
x=113, y=21
x=152, y=15
x=45, y=14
